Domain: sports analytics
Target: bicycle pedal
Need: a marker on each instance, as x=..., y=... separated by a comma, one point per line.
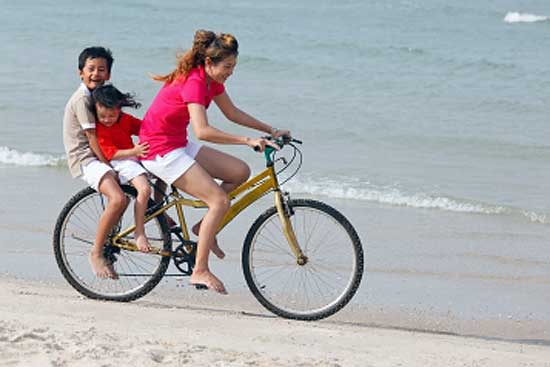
x=175, y=229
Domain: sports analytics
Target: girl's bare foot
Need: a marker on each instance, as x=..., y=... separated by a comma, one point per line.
x=206, y=278
x=112, y=271
x=216, y=250
x=142, y=243
x=101, y=268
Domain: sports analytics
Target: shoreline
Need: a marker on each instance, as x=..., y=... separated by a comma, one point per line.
x=50, y=324
x=369, y=308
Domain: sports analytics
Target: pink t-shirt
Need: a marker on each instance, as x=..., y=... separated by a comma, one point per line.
x=165, y=123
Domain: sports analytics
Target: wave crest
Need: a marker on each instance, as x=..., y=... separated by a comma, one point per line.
x=392, y=196
x=13, y=157
x=537, y=217
x=515, y=17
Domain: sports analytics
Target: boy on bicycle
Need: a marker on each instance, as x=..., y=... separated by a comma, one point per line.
x=84, y=156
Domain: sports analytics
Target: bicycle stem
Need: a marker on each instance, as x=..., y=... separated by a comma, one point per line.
x=281, y=142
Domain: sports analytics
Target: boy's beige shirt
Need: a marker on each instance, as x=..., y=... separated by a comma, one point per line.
x=78, y=118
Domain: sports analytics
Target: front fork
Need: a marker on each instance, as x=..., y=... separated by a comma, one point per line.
x=285, y=212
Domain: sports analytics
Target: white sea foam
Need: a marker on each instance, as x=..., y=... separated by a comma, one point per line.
x=515, y=17
x=391, y=196
x=13, y=157
x=537, y=217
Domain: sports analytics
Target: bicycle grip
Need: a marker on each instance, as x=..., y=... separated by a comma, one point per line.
x=257, y=148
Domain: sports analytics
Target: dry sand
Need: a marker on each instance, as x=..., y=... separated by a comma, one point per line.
x=51, y=325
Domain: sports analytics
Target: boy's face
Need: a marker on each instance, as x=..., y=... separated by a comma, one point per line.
x=94, y=73
x=107, y=116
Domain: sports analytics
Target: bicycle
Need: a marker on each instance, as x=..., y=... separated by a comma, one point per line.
x=301, y=258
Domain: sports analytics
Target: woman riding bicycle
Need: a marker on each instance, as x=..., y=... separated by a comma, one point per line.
x=198, y=79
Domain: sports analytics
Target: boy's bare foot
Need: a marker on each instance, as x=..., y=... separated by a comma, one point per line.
x=207, y=279
x=216, y=250
x=101, y=268
x=142, y=243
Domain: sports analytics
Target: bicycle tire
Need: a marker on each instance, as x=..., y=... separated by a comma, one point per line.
x=282, y=286
x=74, y=235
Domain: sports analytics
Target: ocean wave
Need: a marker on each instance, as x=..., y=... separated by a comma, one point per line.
x=515, y=17
x=253, y=59
x=395, y=197
x=13, y=157
x=537, y=217
x=392, y=196
x=409, y=50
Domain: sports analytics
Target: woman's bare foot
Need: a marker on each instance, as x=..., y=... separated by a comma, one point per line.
x=171, y=223
x=206, y=278
x=142, y=243
x=101, y=268
x=216, y=250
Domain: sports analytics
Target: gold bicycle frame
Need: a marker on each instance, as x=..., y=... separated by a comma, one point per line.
x=253, y=189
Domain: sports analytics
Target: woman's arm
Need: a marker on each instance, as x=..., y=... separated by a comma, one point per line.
x=204, y=131
x=232, y=113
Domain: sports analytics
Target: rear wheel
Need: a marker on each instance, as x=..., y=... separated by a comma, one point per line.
x=328, y=279
x=74, y=236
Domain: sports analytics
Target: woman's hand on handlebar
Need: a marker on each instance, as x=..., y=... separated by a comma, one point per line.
x=276, y=133
x=259, y=144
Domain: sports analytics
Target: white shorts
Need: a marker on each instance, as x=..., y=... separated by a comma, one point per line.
x=127, y=169
x=172, y=165
x=93, y=172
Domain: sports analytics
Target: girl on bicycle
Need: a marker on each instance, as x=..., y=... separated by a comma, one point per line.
x=114, y=134
x=187, y=91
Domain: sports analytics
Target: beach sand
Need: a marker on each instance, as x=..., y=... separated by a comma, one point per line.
x=49, y=324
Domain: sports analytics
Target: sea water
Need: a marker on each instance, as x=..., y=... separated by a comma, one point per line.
x=425, y=122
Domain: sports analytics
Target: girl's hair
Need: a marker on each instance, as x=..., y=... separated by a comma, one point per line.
x=206, y=44
x=108, y=96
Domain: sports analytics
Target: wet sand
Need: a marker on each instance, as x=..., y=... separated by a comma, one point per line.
x=50, y=324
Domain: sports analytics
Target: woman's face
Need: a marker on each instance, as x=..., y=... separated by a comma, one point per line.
x=222, y=70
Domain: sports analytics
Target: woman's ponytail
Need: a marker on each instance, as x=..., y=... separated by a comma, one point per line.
x=206, y=44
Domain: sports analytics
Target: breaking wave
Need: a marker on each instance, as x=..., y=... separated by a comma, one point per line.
x=515, y=17
x=393, y=196
x=13, y=157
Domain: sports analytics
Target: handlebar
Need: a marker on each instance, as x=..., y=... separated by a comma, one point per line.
x=281, y=142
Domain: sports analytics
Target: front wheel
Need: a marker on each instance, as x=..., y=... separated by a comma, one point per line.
x=314, y=290
x=74, y=236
